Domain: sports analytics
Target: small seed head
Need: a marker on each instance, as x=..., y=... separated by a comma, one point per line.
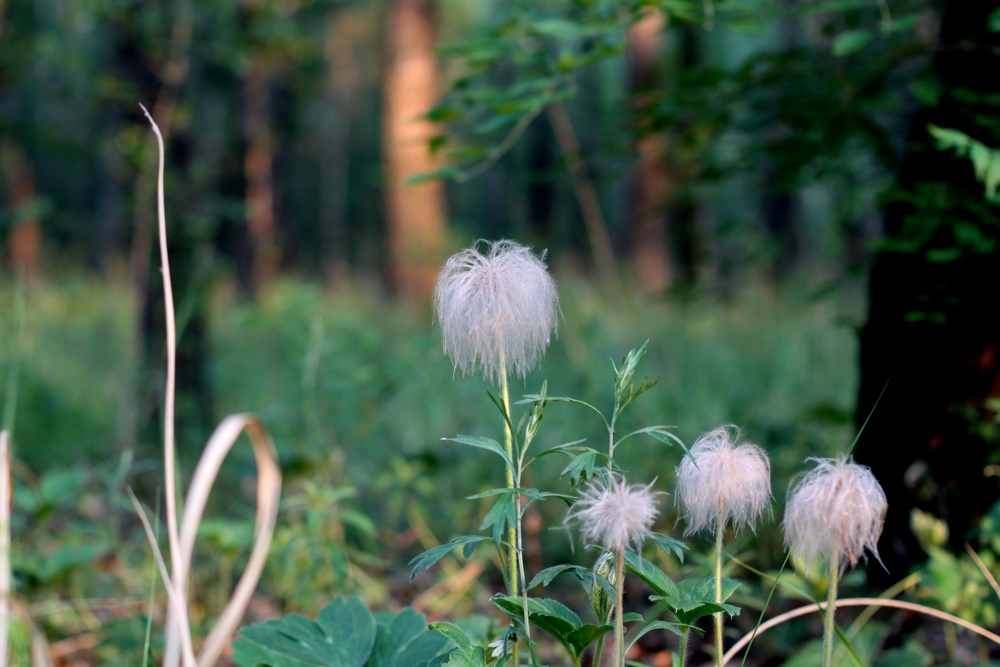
x=497, y=309
x=722, y=481
x=615, y=515
x=837, y=509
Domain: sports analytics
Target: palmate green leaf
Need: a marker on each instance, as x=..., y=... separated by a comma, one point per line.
x=501, y=515
x=403, y=640
x=582, y=462
x=465, y=654
x=433, y=555
x=484, y=443
x=669, y=545
x=556, y=620
x=676, y=628
x=653, y=576
x=584, y=636
x=531, y=398
x=532, y=494
x=586, y=576
x=557, y=449
x=660, y=433
x=696, y=598
x=342, y=635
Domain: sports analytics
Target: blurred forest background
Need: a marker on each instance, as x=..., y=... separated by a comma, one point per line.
x=794, y=201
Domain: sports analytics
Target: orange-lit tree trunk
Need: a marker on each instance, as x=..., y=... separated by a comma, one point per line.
x=25, y=235
x=651, y=182
x=416, y=213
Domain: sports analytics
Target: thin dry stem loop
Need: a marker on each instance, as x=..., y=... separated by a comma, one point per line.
x=859, y=602
x=181, y=539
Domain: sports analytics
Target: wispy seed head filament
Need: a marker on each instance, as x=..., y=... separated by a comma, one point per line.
x=836, y=510
x=497, y=309
x=616, y=515
x=723, y=481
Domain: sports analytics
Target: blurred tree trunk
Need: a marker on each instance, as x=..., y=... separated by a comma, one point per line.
x=416, y=213
x=26, y=233
x=541, y=193
x=257, y=169
x=781, y=201
x=651, y=179
x=341, y=41
x=933, y=330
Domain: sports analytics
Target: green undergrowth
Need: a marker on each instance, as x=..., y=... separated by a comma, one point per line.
x=358, y=394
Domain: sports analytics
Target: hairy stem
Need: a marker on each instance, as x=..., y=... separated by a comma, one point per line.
x=619, y=660
x=720, y=531
x=598, y=650
x=515, y=561
x=683, y=649
x=508, y=441
x=831, y=608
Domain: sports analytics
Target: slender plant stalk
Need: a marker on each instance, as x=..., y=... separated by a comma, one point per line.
x=683, y=649
x=619, y=660
x=170, y=490
x=508, y=441
x=515, y=560
x=831, y=609
x=599, y=649
x=720, y=531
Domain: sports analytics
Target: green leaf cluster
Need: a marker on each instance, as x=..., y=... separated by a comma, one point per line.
x=344, y=634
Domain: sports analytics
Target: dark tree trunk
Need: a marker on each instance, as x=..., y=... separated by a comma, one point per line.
x=651, y=185
x=933, y=331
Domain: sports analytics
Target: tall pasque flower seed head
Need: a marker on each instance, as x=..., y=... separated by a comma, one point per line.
x=723, y=481
x=835, y=510
x=497, y=310
x=615, y=516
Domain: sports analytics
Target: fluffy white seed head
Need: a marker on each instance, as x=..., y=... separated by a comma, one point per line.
x=615, y=516
x=497, y=310
x=835, y=510
x=731, y=483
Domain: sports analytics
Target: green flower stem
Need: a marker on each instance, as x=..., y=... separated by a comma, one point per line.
x=683, y=649
x=508, y=441
x=720, y=531
x=515, y=562
x=831, y=608
x=598, y=650
x=619, y=660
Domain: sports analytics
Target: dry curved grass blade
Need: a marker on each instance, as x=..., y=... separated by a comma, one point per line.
x=181, y=537
x=268, y=500
x=860, y=602
x=9, y=607
x=169, y=400
x=177, y=608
